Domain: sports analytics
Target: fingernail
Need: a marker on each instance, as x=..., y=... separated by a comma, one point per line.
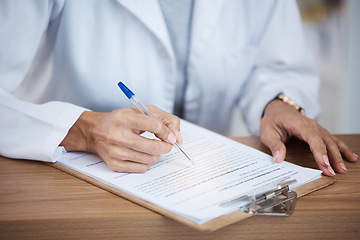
x=342, y=165
x=331, y=170
x=171, y=138
x=180, y=138
x=276, y=154
x=326, y=160
x=356, y=156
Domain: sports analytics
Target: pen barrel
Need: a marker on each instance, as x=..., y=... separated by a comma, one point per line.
x=141, y=106
x=182, y=150
x=144, y=110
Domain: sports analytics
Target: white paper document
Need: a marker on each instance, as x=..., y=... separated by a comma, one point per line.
x=224, y=170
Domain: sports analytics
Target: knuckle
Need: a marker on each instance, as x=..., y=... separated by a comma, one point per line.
x=316, y=143
x=153, y=108
x=313, y=138
x=340, y=143
x=332, y=145
x=119, y=113
x=144, y=158
x=130, y=142
x=112, y=166
x=155, y=148
x=167, y=148
x=143, y=168
x=159, y=127
x=128, y=168
x=337, y=141
x=135, y=157
x=125, y=167
x=138, y=168
x=159, y=148
x=124, y=115
x=176, y=119
x=314, y=124
x=153, y=159
x=111, y=155
x=298, y=121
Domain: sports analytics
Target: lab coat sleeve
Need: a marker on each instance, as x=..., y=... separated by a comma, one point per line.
x=28, y=130
x=283, y=64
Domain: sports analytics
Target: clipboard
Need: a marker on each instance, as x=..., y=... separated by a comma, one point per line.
x=223, y=220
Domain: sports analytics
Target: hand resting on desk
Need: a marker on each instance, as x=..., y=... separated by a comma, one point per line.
x=281, y=122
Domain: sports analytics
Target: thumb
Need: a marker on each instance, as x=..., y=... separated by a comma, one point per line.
x=276, y=146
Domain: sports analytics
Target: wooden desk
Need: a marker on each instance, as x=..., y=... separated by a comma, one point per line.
x=40, y=202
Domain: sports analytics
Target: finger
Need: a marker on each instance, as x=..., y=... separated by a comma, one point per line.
x=128, y=166
x=122, y=159
x=272, y=139
x=155, y=126
x=145, y=145
x=125, y=154
x=309, y=132
x=128, y=137
x=334, y=154
x=170, y=120
x=346, y=151
x=318, y=148
x=175, y=128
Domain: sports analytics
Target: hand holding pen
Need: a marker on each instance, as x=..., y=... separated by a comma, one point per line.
x=115, y=137
x=144, y=110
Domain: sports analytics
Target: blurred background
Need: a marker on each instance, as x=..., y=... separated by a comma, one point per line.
x=332, y=31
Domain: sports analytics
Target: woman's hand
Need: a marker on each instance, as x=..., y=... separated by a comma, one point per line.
x=281, y=122
x=115, y=137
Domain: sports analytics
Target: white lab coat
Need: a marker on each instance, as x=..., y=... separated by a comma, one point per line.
x=59, y=58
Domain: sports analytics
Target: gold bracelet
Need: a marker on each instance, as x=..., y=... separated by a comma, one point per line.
x=289, y=101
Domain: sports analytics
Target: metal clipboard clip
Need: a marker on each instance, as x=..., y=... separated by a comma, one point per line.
x=278, y=201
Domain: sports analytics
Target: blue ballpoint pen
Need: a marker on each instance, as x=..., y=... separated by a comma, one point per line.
x=144, y=110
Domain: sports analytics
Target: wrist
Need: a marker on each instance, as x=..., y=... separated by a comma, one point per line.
x=287, y=102
x=77, y=138
x=277, y=107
